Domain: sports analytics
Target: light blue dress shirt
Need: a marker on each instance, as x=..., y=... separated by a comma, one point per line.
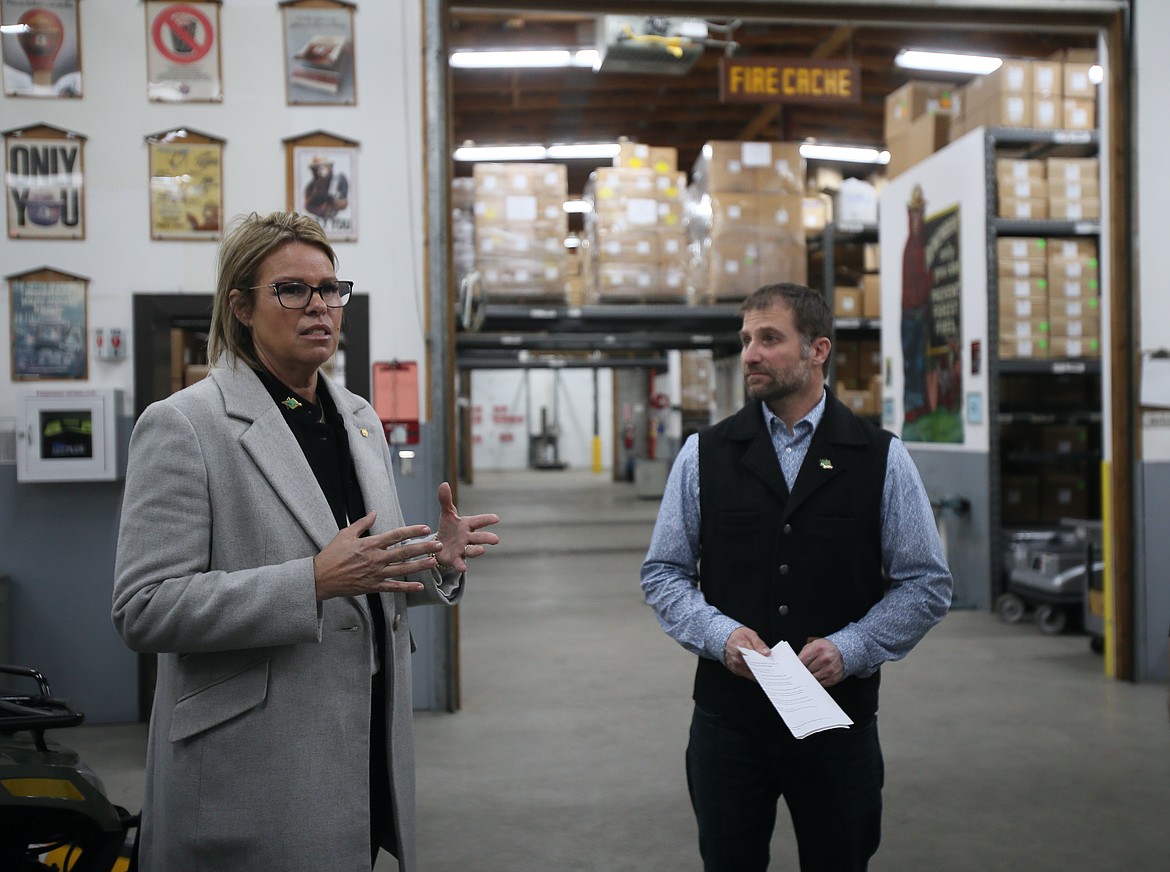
x=912, y=557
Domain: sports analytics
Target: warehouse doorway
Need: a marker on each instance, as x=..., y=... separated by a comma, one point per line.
x=1020, y=29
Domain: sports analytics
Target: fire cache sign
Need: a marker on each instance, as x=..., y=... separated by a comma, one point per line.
x=756, y=80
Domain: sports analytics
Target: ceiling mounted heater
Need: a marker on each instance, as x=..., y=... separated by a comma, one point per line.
x=655, y=46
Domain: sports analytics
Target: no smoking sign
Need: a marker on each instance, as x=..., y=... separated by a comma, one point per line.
x=182, y=34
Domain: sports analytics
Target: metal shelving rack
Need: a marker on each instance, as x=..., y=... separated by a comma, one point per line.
x=1026, y=143
x=522, y=336
x=826, y=242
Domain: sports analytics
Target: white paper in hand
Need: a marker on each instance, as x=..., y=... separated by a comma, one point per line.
x=805, y=706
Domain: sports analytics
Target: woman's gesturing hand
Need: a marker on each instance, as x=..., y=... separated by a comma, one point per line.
x=354, y=564
x=462, y=538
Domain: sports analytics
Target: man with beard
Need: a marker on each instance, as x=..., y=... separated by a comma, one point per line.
x=791, y=521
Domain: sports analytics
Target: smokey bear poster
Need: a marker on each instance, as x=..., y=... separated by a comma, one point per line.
x=931, y=329
x=324, y=188
x=44, y=186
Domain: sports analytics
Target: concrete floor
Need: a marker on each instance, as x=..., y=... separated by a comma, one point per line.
x=1005, y=749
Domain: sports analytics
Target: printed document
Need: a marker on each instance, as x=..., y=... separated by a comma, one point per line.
x=805, y=706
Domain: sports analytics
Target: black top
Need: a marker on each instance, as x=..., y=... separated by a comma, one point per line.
x=320, y=431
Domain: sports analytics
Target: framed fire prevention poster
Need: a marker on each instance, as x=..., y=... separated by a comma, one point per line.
x=186, y=185
x=318, y=52
x=182, y=52
x=44, y=183
x=322, y=182
x=42, y=48
x=48, y=325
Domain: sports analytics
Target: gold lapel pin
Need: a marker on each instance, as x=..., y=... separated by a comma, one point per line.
x=826, y=463
x=364, y=431
x=290, y=403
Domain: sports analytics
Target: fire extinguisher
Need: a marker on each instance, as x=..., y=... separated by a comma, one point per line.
x=628, y=436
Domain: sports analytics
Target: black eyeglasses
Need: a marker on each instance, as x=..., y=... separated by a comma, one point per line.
x=296, y=295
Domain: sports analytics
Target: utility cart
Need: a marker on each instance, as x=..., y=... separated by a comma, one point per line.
x=1050, y=572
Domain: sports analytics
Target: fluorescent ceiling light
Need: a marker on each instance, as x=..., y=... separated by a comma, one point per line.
x=584, y=151
x=845, y=153
x=14, y=28
x=581, y=151
x=945, y=62
x=524, y=58
x=1096, y=74
x=500, y=152
x=575, y=206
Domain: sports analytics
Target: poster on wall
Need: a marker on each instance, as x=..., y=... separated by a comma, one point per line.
x=44, y=183
x=186, y=185
x=182, y=52
x=42, y=48
x=932, y=341
x=318, y=53
x=323, y=182
x=47, y=319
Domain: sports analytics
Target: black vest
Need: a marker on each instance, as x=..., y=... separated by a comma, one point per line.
x=790, y=566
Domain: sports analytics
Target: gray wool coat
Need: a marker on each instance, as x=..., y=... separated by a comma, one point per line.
x=258, y=752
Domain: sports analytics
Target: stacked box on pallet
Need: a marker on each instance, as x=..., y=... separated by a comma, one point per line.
x=462, y=227
x=635, y=243
x=1074, y=285
x=520, y=229
x=1023, y=298
x=744, y=219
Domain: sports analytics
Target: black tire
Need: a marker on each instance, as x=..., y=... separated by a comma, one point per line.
x=1010, y=608
x=1051, y=620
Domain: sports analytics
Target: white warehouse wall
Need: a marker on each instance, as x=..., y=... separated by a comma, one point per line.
x=505, y=410
x=118, y=256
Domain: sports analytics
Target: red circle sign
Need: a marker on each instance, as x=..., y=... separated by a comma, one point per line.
x=182, y=34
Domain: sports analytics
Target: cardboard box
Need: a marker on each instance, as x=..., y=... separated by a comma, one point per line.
x=1063, y=496
x=1076, y=267
x=1023, y=349
x=869, y=360
x=1015, y=328
x=1072, y=246
x=1023, y=207
x=1080, y=209
x=1077, y=82
x=1060, y=439
x=1020, y=495
x=780, y=215
x=629, y=246
x=1024, y=189
x=1082, y=288
x=871, y=257
x=860, y=401
x=1073, y=169
x=914, y=99
x=927, y=134
x=816, y=211
x=1021, y=247
x=1019, y=169
x=1086, y=327
x=1009, y=286
x=774, y=167
x=1048, y=78
x=1034, y=306
x=1078, y=113
x=848, y=363
x=847, y=302
x=871, y=295
x=659, y=158
x=1023, y=267
x=1062, y=348
x=1047, y=112
x=1074, y=307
